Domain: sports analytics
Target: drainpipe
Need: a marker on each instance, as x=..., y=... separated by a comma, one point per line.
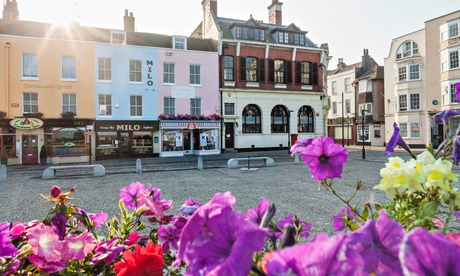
x=7, y=78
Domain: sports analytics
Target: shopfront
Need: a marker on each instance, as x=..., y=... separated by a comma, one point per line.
x=189, y=137
x=121, y=139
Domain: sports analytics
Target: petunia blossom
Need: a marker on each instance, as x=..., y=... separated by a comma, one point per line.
x=189, y=206
x=456, y=156
x=303, y=228
x=444, y=116
x=256, y=214
x=338, y=223
x=106, y=251
x=378, y=243
x=7, y=250
x=168, y=236
x=300, y=145
x=146, y=260
x=129, y=194
x=324, y=158
x=58, y=223
x=47, y=266
x=78, y=246
x=396, y=140
x=425, y=253
x=45, y=242
x=457, y=92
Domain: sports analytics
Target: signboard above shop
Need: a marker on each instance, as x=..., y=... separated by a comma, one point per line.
x=26, y=123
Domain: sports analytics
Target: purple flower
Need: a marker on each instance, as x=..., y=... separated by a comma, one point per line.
x=55, y=191
x=300, y=145
x=321, y=256
x=189, y=206
x=58, y=223
x=129, y=194
x=301, y=227
x=425, y=253
x=152, y=199
x=456, y=156
x=225, y=247
x=46, y=266
x=444, y=116
x=13, y=267
x=7, y=250
x=378, y=243
x=256, y=214
x=338, y=223
x=457, y=92
x=324, y=158
x=106, y=251
x=168, y=236
x=396, y=140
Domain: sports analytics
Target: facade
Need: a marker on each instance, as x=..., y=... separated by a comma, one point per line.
x=272, y=80
x=353, y=89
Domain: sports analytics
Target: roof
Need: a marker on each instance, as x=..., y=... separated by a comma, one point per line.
x=344, y=69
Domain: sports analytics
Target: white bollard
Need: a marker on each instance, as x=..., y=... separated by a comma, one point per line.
x=2, y=173
x=296, y=158
x=138, y=166
x=200, y=163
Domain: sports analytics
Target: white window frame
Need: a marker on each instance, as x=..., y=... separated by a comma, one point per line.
x=117, y=37
x=451, y=26
x=169, y=76
x=407, y=49
x=135, y=106
x=408, y=72
x=412, y=101
x=402, y=102
x=102, y=68
x=32, y=66
x=366, y=131
x=365, y=106
x=69, y=68
x=135, y=71
x=347, y=85
x=169, y=105
x=414, y=133
x=334, y=108
x=33, y=104
x=195, y=106
x=364, y=86
x=105, y=109
x=334, y=88
x=69, y=103
x=180, y=42
x=195, y=74
x=348, y=106
x=403, y=130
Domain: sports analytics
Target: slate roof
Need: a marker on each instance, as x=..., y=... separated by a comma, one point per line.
x=345, y=69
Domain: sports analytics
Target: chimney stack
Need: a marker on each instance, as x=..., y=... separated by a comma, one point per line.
x=129, y=25
x=340, y=63
x=366, y=60
x=212, y=6
x=10, y=10
x=275, y=13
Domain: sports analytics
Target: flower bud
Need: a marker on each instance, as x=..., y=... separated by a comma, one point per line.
x=55, y=191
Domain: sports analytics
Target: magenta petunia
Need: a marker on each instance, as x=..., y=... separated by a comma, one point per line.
x=17, y=230
x=78, y=246
x=47, y=266
x=256, y=214
x=7, y=250
x=189, y=206
x=338, y=223
x=302, y=227
x=324, y=158
x=106, y=251
x=58, y=223
x=300, y=145
x=129, y=194
x=456, y=155
x=168, y=236
x=45, y=242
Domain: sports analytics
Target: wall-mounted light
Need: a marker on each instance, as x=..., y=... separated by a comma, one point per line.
x=229, y=94
x=169, y=53
x=237, y=124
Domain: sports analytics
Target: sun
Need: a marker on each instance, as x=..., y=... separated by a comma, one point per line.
x=63, y=12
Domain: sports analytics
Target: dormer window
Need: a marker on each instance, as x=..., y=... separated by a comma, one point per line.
x=407, y=49
x=283, y=37
x=291, y=38
x=118, y=37
x=180, y=42
x=250, y=33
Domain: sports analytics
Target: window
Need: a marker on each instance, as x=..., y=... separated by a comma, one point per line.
x=259, y=34
x=453, y=60
x=402, y=102
x=250, y=33
x=280, y=119
x=229, y=109
x=365, y=86
x=105, y=105
x=363, y=133
x=135, y=105
x=228, y=68
x=118, y=37
x=251, y=69
x=69, y=103
x=347, y=85
x=334, y=87
x=299, y=39
x=407, y=49
x=8, y=142
x=251, y=119
x=135, y=70
x=68, y=68
x=195, y=106
x=180, y=42
x=403, y=130
x=242, y=32
x=414, y=130
x=347, y=106
x=453, y=29
x=168, y=73
x=367, y=107
x=305, y=120
x=306, y=73
x=169, y=105
x=279, y=71
x=334, y=108
x=195, y=74
x=283, y=37
x=104, y=68
x=402, y=73
x=414, y=72
x=453, y=97
x=29, y=66
x=30, y=102
x=66, y=141
x=414, y=101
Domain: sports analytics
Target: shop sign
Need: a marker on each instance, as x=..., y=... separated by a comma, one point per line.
x=26, y=123
x=190, y=125
x=187, y=125
x=127, y=127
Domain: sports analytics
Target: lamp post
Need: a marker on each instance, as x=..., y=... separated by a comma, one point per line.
x=343, y=141
x=348, y=130
x=289, y=130
x=362, y=131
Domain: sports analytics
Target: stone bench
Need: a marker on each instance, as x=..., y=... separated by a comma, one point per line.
x=232, y=163
x=50, y=172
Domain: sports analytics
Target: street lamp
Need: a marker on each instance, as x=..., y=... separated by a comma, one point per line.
x=343, y=144
x=289, y=130
x=348, y=130
x=362, y=131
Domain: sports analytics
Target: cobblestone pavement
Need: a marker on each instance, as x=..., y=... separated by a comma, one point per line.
x=288, y=184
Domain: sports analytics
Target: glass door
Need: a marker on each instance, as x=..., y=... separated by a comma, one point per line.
x=29, y=149
x=187, y=140
x=124, y=144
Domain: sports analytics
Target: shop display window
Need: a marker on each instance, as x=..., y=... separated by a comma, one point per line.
x=8, y=141
x=142, y=139
x=172, y=140
x=209, y=139
x=107, y=139
x=66, y=141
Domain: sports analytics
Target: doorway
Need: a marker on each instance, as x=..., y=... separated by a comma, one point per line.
x=29, y=149
x=187, y=140
x=123, y=146
x=229, y=134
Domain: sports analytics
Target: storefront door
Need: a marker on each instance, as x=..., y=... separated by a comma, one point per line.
x=124, y=144
x=29, y=149
x=187, y=140
x=229, y=133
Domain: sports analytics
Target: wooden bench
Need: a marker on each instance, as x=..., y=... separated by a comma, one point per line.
x=50, y=172
x=232, y=163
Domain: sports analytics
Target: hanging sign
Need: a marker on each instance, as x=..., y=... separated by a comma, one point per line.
x=26, y=123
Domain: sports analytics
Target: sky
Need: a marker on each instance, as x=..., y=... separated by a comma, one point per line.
x=347, y=26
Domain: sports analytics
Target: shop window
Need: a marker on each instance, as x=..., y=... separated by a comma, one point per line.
x=142, y=142
x=251, y=119
x=172, y=140
x=280, y=119
x=209, y=139
x=7, y=141
x=66, y=141
x=306, y=119
x=106, y=142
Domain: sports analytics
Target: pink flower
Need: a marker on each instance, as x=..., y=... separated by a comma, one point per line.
x=45, y=242
x=45, y=266
x=78, y=246
x=17, y=230
x=168, y=236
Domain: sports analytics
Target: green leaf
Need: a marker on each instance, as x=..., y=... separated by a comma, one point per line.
x=365, y=213
x=429, y=209
x=378, y=207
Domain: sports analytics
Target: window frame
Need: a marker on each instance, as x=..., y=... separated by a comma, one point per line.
x=195, y=78
x=229, y=109
x=334, y=108
x=253, y=68
x=306, y=125
x=402, y=102
x=69, y=102
x=104, y=69
x=334, y=87
x=283, y=126
x=135, y=71
x=115, y=37
x=169, y=105
x=195, y=106
x=228, y=68
x=407, y=49
x=280, y=71
x=252, y=126
x=103, y=101
x=169, y=77
x=347, y=84
x=69, y=68
x=32, y=66
x=135, y=106
x=31, y=102
x=180, y=42
x=348, y=106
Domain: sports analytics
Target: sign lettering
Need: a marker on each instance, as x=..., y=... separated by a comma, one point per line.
x=149, y=68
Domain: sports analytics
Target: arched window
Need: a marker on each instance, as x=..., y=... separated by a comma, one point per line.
x=306, y=119
x=251, y=119
x=280, y=119
x=407, y=49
